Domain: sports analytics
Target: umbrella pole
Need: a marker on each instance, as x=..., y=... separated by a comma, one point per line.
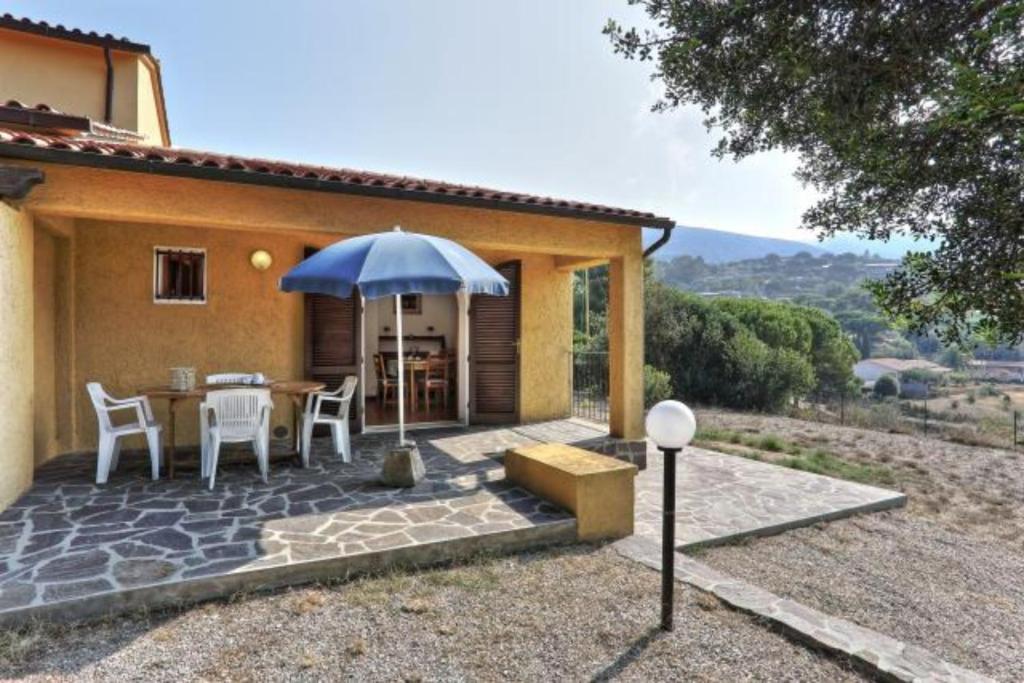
x=401, y=371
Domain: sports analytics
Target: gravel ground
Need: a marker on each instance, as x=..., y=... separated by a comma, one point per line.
x=576, y=613
x=945, y=573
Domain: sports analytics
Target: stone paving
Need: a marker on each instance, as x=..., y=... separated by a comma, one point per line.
x=720, y=498
x=68, y=542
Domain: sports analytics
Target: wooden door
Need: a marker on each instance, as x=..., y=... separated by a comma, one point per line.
x=332, y=342
x=494, y=352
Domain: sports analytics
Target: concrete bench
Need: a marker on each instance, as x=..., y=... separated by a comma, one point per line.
x=596, y=488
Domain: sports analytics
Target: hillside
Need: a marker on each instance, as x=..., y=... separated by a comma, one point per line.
x=774, y=277
x=719, y=246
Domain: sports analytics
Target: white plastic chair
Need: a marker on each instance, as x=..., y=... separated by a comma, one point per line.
x=329, y=408
x=231, y=378
x=235, y=416
x=109, y=448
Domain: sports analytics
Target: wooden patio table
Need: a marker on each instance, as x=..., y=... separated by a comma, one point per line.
x=297, y=390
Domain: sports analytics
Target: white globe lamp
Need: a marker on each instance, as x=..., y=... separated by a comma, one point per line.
x=671, y=426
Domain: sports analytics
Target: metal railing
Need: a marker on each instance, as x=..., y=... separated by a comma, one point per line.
x=955, y=422
x=590, y=385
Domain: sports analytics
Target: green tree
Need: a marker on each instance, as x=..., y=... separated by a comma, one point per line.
x=863, y=327
x=907, y=117
x=713, y=350
x=887, y=386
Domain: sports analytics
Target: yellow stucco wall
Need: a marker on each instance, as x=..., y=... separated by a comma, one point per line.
x=53, y=426
x=72, y=78
x=16, y=363
x=125, y=340
x=45, y=345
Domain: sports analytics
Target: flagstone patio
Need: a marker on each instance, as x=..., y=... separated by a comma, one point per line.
x=69, y=548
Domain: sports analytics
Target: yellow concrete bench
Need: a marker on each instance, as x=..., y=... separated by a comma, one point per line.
x=596, y=488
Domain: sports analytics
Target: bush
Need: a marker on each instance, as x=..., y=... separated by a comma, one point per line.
x=887, y=386
x=657, y=386
x=771, y=443
x=988, y=390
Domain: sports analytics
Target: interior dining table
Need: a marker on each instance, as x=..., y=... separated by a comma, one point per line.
x=297, y=390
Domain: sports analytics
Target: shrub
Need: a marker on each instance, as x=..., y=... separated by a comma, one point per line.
x=988, y=390
x=657, y=386
x=887, y=386
x=971, y=398
x=770, y=442
x=954, y=404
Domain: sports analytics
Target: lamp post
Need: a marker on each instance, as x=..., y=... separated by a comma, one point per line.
x=671, y=426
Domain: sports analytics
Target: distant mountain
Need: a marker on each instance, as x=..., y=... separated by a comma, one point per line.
x=719, y=246
x=894, y=248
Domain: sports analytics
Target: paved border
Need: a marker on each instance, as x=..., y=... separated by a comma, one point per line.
x=721, y=498
x=884, y=656
x=895, y=501
x=257, y=579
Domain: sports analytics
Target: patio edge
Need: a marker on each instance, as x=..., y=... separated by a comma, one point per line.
x=256, y=580
x=896, y=500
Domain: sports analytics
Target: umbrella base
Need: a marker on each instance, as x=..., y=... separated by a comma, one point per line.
x=403, y=467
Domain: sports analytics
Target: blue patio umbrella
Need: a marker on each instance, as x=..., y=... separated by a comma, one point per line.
x=392, y=264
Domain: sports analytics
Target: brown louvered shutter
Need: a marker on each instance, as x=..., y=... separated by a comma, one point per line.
x=332, y=340
x=494, y=352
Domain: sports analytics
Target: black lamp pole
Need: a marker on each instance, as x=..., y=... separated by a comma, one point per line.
x=668, y=538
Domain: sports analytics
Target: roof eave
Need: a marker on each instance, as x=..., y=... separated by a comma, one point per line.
x=132, y=165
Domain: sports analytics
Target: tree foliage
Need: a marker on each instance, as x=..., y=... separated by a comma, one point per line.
x=887, y=386
x=744, y=353
x=907, y=116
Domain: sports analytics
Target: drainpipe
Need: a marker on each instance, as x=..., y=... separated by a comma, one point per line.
x=660, y=242
x=108, y=109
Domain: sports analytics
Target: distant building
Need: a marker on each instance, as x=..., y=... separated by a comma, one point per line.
x=997, y=370
x=870, y=369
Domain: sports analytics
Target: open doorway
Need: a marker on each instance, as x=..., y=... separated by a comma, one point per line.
x=431, y=340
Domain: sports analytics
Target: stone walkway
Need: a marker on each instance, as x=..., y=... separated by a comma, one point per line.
x=720, y=498
x=71, y=548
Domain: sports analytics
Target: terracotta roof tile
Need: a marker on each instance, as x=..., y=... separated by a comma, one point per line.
x=43, y=28
x=236, y=168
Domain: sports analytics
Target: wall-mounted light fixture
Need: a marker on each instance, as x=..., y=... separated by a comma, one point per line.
x=261, y=259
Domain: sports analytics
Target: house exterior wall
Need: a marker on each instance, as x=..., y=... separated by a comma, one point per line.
x=126, y=341
x=16, y=353
x=72, y=78
x=123, y=339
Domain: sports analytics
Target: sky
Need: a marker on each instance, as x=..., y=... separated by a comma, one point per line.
x=523, y=96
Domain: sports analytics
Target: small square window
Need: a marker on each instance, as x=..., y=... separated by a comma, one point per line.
x=179, y=275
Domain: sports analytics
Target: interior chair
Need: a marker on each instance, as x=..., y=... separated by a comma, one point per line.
x=235, y=416
x=329, y=408
x=436, y=380
x=109, y=448
x=387, y=381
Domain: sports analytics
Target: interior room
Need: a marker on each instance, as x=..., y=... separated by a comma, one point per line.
x=430, y=333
